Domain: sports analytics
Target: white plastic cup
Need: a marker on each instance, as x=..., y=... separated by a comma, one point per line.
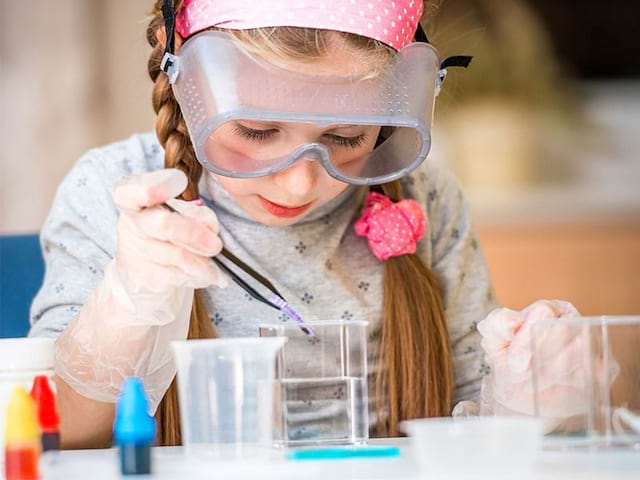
x=475, y=447
x=21, y=360
x=225, y=387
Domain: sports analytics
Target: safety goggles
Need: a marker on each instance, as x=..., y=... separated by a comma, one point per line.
x=224, y=92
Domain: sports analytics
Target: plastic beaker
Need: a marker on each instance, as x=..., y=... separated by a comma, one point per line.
x=225, y=387
x=586, y=381
x=321, y=384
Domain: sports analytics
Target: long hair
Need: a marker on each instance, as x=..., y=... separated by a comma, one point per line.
x=415, y=378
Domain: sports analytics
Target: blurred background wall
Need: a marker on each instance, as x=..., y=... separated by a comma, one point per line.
x=72, y=76
x=542, y=130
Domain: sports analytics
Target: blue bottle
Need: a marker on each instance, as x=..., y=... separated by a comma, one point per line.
x=134, y=429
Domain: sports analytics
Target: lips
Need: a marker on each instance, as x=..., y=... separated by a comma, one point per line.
x=283, y=210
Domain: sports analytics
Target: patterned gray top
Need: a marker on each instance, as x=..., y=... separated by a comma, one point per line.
x=318, y=264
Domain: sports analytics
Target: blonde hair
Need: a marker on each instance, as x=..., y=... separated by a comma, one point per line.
x=416, y=375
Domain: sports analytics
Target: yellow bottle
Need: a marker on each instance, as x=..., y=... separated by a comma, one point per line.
x=22, y=437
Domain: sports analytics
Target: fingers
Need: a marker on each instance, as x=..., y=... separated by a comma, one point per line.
x=167, y=247
x=198, y=211
x=508, y=331
x=149, y=189
x=194, y=236
x=201, y=269
x=498, y=329
x=162, y=263
x=542, y=309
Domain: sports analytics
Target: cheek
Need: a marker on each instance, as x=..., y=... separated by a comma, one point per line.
x=237, y=187
x=331, y=188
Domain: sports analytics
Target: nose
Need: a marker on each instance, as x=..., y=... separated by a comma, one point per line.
x=299, y=179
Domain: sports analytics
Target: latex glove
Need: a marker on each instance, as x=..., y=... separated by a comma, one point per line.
x=465, y=408
x=560, y=355
x=144, y=301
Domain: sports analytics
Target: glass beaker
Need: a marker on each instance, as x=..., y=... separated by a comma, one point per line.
x=225, y=387
x=321, y=384
x=586, y=381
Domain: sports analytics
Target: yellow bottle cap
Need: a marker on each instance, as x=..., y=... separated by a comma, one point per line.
x=22, y=419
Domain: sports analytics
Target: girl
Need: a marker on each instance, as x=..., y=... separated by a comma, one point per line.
x=125, y=276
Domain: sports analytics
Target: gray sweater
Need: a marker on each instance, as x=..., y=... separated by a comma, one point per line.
x=318, y=264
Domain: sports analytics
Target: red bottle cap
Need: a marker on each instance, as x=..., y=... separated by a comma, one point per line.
x=46, y=403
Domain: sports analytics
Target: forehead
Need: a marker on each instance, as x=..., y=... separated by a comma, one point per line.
x=341, y=59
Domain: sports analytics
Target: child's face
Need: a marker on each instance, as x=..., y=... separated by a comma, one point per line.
x=285, y=197
x=303, y=186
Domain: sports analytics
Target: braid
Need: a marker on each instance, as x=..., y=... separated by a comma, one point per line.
x=171, y=129
x=173, y=135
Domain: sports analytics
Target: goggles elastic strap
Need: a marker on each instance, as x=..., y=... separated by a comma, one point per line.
x=169, y=24
x=455, y=61
x=169, y=64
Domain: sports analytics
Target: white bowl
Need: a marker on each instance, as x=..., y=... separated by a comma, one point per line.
x=475, y=447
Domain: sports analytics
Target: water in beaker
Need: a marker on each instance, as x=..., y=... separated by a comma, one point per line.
x=321, y=393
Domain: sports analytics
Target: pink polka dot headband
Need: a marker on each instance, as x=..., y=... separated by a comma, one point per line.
x=391, y=229
x=391, y=22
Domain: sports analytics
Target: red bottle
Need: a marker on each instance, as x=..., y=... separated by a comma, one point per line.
x=47, y=413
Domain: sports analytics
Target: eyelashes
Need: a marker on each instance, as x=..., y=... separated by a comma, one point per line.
x=264, y=135
x=252, y=134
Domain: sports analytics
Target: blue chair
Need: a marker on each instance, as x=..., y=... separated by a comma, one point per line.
x=21, y=275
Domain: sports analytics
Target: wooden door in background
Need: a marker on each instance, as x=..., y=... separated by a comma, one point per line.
x=594, y=266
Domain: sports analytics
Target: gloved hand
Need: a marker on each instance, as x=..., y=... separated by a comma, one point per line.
x=560, y=360
x=144, y=301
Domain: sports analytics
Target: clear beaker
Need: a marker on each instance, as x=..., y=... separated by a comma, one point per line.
x=321, y=384
x=225, y=388
x=586, y=381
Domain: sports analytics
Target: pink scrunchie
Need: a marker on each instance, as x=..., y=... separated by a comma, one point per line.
x=392, y=229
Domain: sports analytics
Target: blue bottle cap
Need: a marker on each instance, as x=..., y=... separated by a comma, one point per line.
x=133, y=424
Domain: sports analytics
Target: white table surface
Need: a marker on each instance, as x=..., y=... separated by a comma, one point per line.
x=170, y=463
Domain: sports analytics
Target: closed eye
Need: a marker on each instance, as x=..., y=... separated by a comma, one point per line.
x=264, y=135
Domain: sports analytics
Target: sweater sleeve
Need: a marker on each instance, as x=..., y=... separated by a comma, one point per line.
x=78, y=239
